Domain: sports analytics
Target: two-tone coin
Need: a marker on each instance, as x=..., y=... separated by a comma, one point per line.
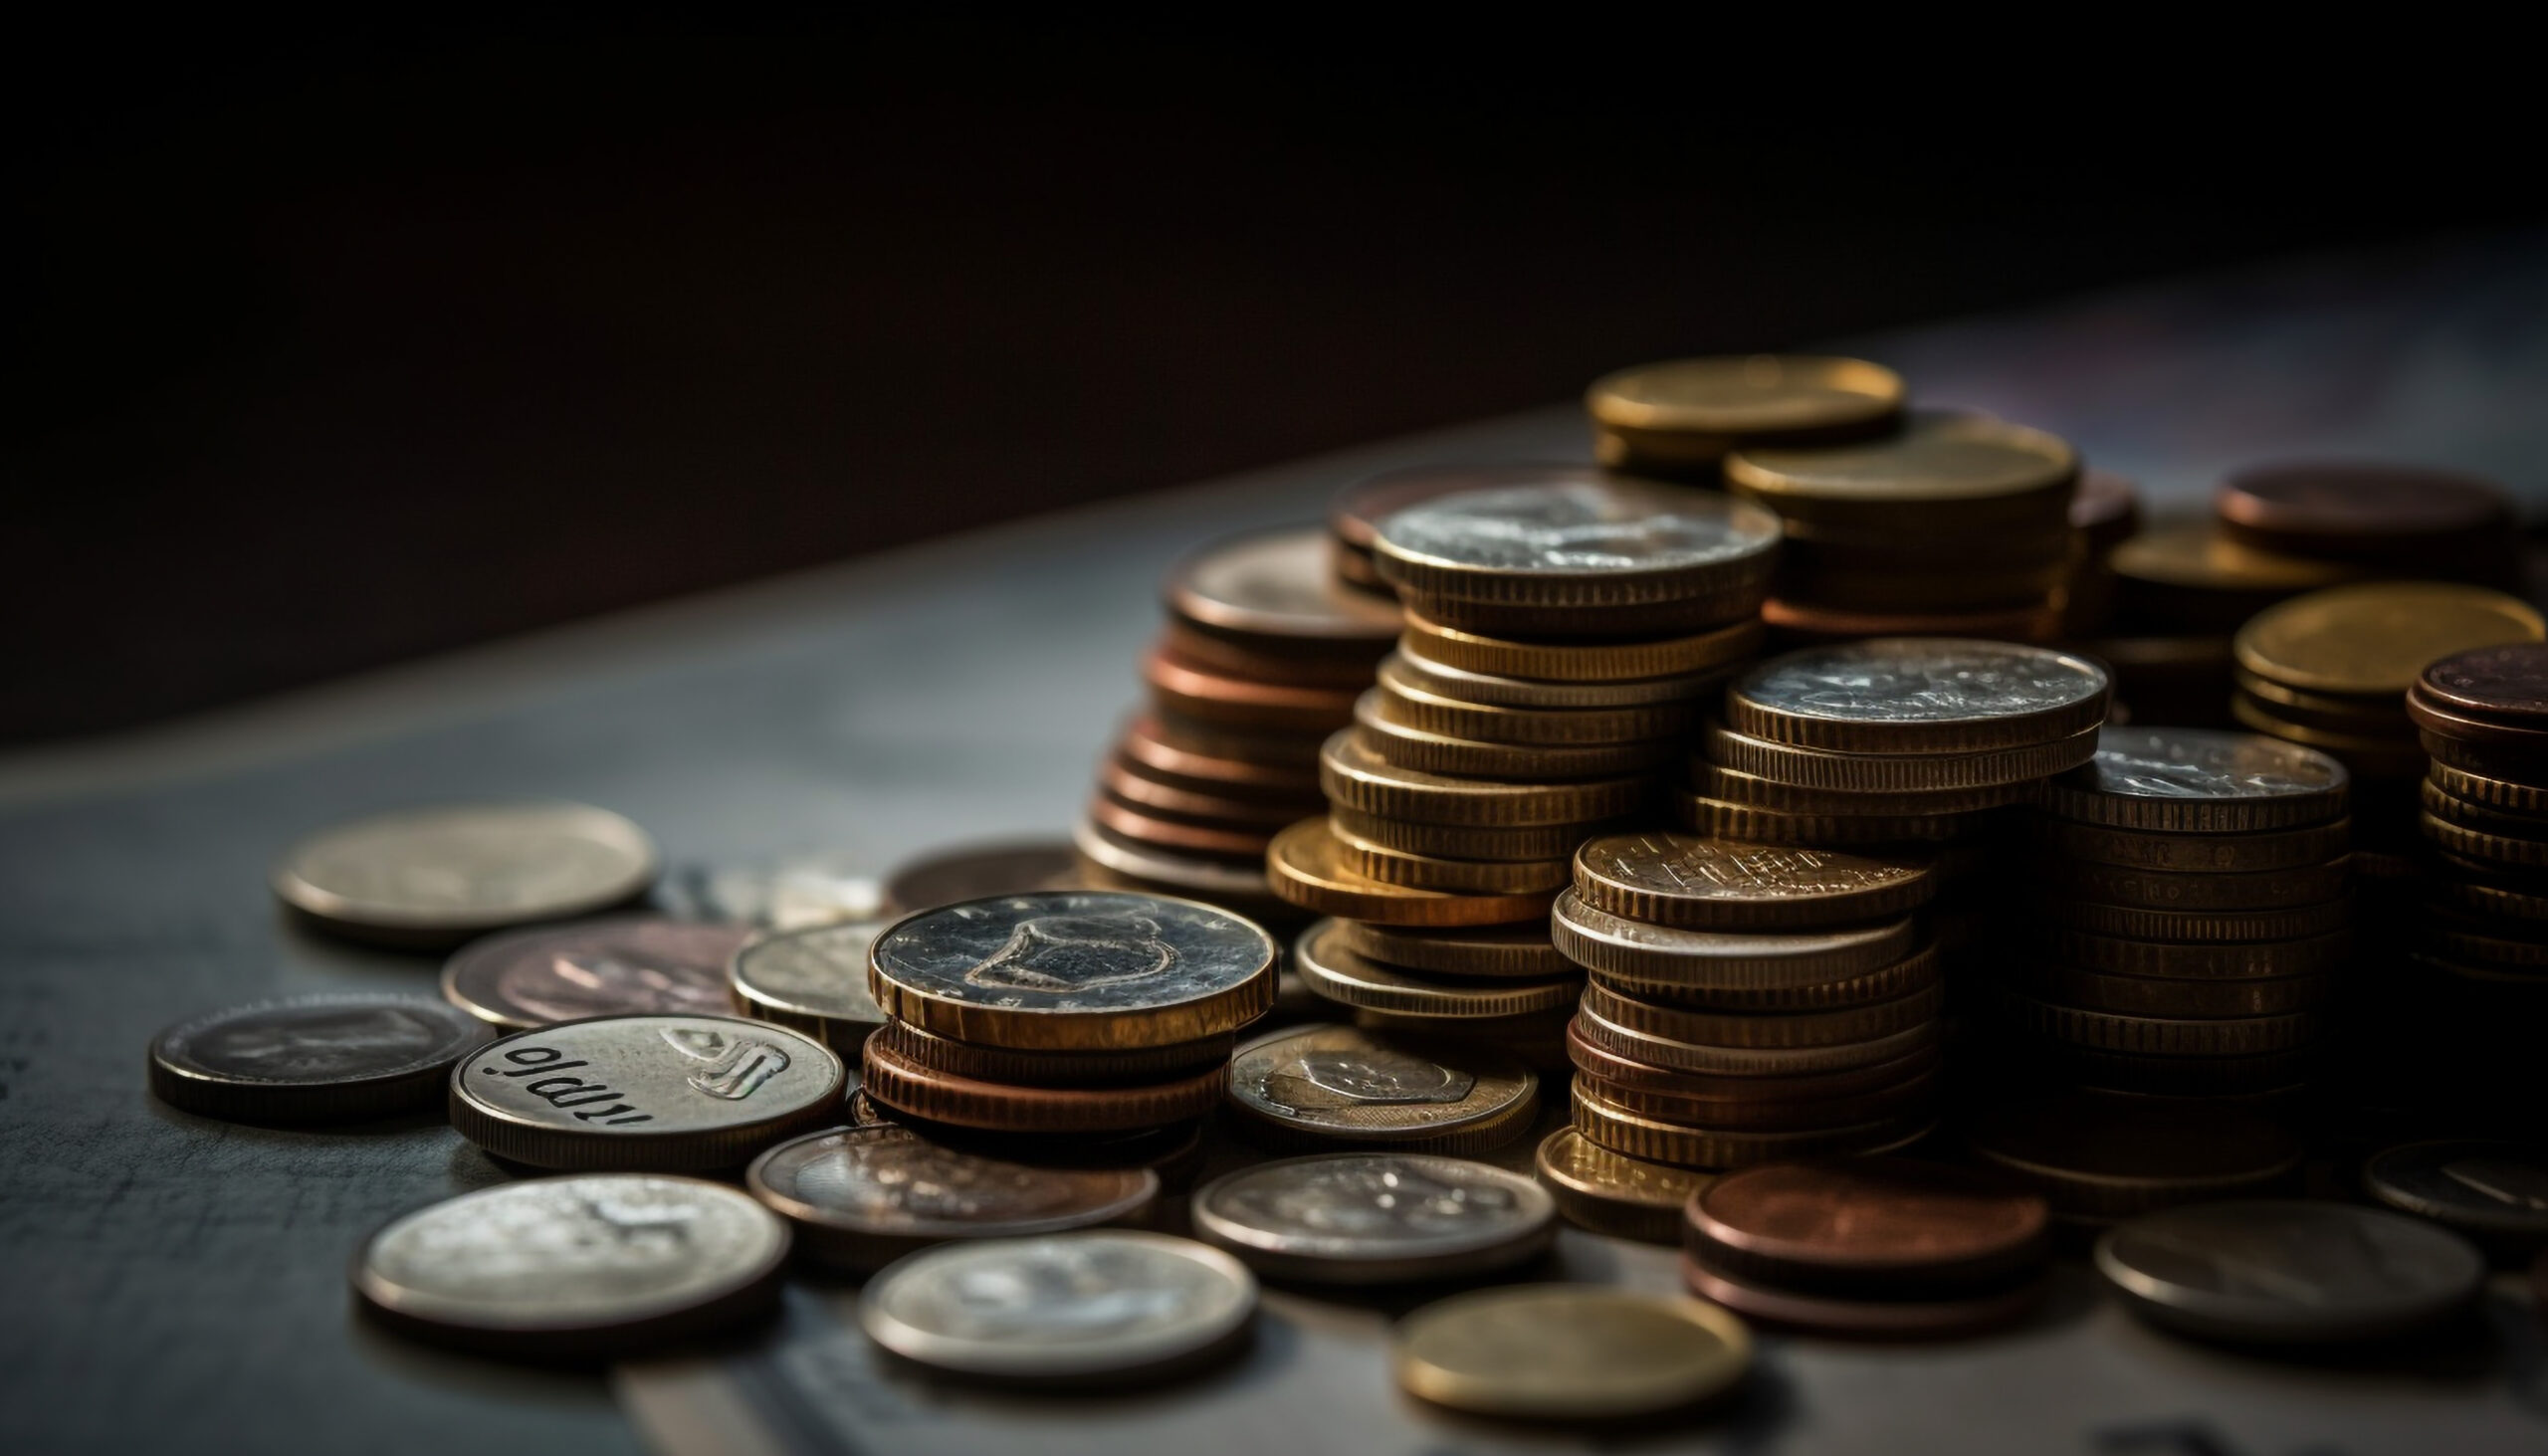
x=605, y=967
x=439, y=876
x=324, y=1058
x=1375, y=1217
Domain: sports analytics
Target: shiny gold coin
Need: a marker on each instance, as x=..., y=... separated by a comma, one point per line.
x=2491, y=849
x=2192, y=925
x=1722, y=820
x=2199, y=890
x=1902, y=978
x=1461, y=877
x=1520, y=950
x=1460, y=841
x=1719, y=1061
x=1700, y=963
x=1354, y=778
x=2273, y=849
x=1568, y=1352
x=2375, y=638
x=2483, y=818
x=1305, y=866
x=1769, y=1030
x=2494, y=793
x=2176, y=997
x=2314, y=956
x=2156, y=1036
x=1696, y=883
x=1609, y=1194
x=1487, y=690
x=2197, y=557
x=1409, y=702
x=1407, y=746
x=1942, y=473
x=1334, y=970
x=1751, y=791
x=2370, y=716
x=1890, y=773
x=1703, y=407
x=1579, y=662
x=1655, y=1140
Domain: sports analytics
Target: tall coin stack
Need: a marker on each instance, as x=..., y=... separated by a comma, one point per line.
x=1748, y=1002
x=1264, y=655
x=1559, y=639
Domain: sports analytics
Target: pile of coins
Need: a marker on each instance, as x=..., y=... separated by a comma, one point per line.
x=1264, y=656
x=1680, y=420
x=2192, y=892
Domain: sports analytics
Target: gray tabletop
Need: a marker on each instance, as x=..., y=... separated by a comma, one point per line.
x=176, y=1281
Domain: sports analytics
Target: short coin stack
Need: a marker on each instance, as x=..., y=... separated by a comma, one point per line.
x=1678, y=420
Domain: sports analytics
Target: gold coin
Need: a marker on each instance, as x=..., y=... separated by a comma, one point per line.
x=2491, y=849
x=1723, y=885
x=2197, y=557
x=2272, y=849
x=813, y=980
x=1702, y=963
x=2492, y=900
x=2375, y=638
x=1720, y=819
x=2494, y=793
x=1751, y=791
x=2484, y=818
x=1654, y=1140
x=1307, y=867
x=1715, y=1061
x=2202, y=890
x=1240, y=886
x=1461, y=877
x=1497, y=950
x=1357, y=778
x=2132, y=923
x=1607, y=1192
x=2157, y=1036
x=2198, y=781
x=1725, y=398
x=1486, y=689
x=1580, y=543
x=1943, y=472
x=1568, y=1352
x=1460, y=841
x=1332, y=969
x=1579, y=662
x=1764, y=1030
x=1889, y=773
x=1888, y=983
x=1409, y=746
x=1412, y=702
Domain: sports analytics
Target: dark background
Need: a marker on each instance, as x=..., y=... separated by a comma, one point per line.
x=336, y=347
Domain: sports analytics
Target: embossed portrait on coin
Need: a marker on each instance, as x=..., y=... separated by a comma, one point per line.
x=297, y=1045
x=1380, y=1198
x=1326, y=1080
x=1076, y=952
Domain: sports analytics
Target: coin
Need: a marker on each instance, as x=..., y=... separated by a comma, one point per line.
x=1608, y=1193
x=600, y=967
x=2494, y=850
x=2265, y=1075
x=1768, y=1029
x=1459, y=841
x=2506, y=684
x=862, y=1197
x=2104, y=1156
x=581, y=1266
x=2198, y=781
x=1354, y=778
x=1829, y=770
x=1177, y=835
x=2489, y=1190
x=1110, y=863
x=438, y=875
x=2196, y=575
x=1699, y=408
x=1354, y=515
x=2497, y=735
x=1054, y=1068
x=1863, y=1318
x=2156, y=1036
x=1745, y=1113
x=647, y=1094
x=811, y=980
x=1403, y=699
x=1717, y=884
x=1941, y=474
x=1460, y=876
x=1409, y=746
x=1918, y=694
x=1062, y=1308
x=1720, y=819
x=1913, y=972
x=2359, y=511
x=1655, y=1140
x=1805, y=621
x=1066, y=970
x=1193, y=690
x=1124, y=782
x=1341, y=1084
x=1630, y=1044
x=1565, y=1352
x=1277, y=584
x=1324, y=957
x=1895, y=1063
x=1308, y=867
x=1145, y=743
x=1519, y=951
x=2177, y=996
x=2497, y=793
x=2377, y=638
x=2287, y=1272
x=1375, y=1217
x=323, y=1058
x=1717, y=781
x=1457, y=685
x=1704, y=963
x=1578, y=544
x=1867, y=1224
x=2196, y=890
x=2192, y=925
x=976, y=871
x=901, y=1084
x=1439, y=643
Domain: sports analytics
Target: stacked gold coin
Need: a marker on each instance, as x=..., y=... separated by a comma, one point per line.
x=1681, y=419
x=1749, y=1002
x=1960, y=524
x=2192, y=893
x=1264, y=655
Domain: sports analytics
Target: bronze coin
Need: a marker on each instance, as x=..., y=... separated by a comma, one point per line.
x=1434, y=872
x=1697, y=882
x=1288, y=749
x=617, y=966
x=1358, y=778
x=1522, y=950
x=1159, y=831
x=1275, y=585
x=1405, y=700
x=897, y=1082
x=2276, y=849
x=1193, y=691
x=2194, y=891
x=1943, y=1319
x=2134, y=923
x=1324, y=957
x=2527, y=739
x=2178, y=997
x=2358, y=511
x=1807, y=621
x=1716, y=781
x=2507, y=684
x=1764, y=1029
x=1770, y=1115
x=1125, y=781
x=1254, y=659
x=1407, y=746
x=1868, y=1224
x=1293, y=781
x=1610, y=1069
x=975, y=872
x=2158, y=1036
x=2480, y=817
x=1577, y=661
x=2493, y=793
x=2106, y=1156
x=1461, y=841
x=1054, y=1068
x=1305, y=867
x=2106, y=510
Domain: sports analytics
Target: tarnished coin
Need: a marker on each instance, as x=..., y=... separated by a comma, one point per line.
x=1578, y=543
x=1608, y=1192
x=438, y=875
x=1278, y=584
x=1918, y=694
x=1689, y=411
x=583, y=1266
x=606, y=967
x=311, y=1059
x=862, y=1197
x=976, y=871
x=1071, y=970
x=2096, y=1154
x=2289, y=1272
x=2375, y=639
x=650, y=1094
x=1866, y=1225
x=1326, y=960
x=904, y=1085
x=1309, y=866
x=2507, y=684
x=2200, y=782
x=1723, y=885
x=1107, y=1304
x=1522, y=951
x=811, y=980
x=1341, y=1084
x=1943, y=473
x=1642, y=660
x=2493, y=1191
x=1375, y=1217
x=1568, y=1352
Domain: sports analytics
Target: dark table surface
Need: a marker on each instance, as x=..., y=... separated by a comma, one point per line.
x=178, y=1282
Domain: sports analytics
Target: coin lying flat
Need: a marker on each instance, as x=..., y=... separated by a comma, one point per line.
x=862, y=1197
x=1918, y=694
x=574, y=1266
x=1354, y=778
x=976, y=871
x=1278, y=584
x=1332, y=969
x=2377, y=638
x=1568, y=1352
x=1578, y=543
x=1697, y=410
x=1108, y=1303
x=1644, y=660
x=1075, y=971
x=654, y=1093
x=311, y=1059
x=2289, y=1272
x=605, y=967
x=2200, y=782
x=1522, y=951
x=1341, y=1084
x=1941, y=474
x=2503, y=685
x=1693, y=883
x=1699, y=962
x=438, y=875
x=1375, y=1217
x=1867, y=1223
x=1943, y=1317
x=813, y=980
x=2105, y=1155
x=1610, y=1192
x=904, y=1085
x=2493, y=1191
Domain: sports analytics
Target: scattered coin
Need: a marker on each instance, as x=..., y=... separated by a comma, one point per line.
x=438, y=875
x=2289, y=1272
x=1611, y=1193
x=1867, y=1224
x=977, y=872
x=605, y=967
x=2200, y=782
x=2495, y=1191
x=1375, y=1217
x=1725, y=885
x=311, y=1059
x=1918, y=694
x=813, y=980
x=1341, y=1084
x=1565, y=1352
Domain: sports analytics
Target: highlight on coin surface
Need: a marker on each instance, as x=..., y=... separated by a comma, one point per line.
x=615, y=966
x=438, y=875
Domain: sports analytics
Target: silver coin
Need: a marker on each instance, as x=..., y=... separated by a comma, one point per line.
x=653, y=1093
x=2494, y=1190
x=1375, y=1217
x=976, y=871
x=1074, y=951
x=785, y=895
x=863, y=1197
x=2199, y=779
x=441, y=875
x=814, y=980
x=1922, y=680
x=2289, y=1271
x=310, y=1059
x=606, y=967
x=574, y=1266
x=1721, y=959
x=1348, y=1084
x=1064, y=1307
x=1574, y=527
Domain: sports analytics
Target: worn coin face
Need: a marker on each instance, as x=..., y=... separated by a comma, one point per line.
x=1566, y=1352
x=864, y=1196
x=2506, y=684
x=1069, y=969
x=814, y=980
x=643, y=1092
x=575, y=1264
x=2375, y=639
x=1345, y=1084
x=1918, y=694
x=1721, y=884
x=442, y=875
x=973, y=871
x=1278, y=583
x=2492, y=1189
x=1375, y=1217
x=1868, y=1222
x=2289, y=1271
x=1061, y=1307
x=2200, y=782
x=1659, y=543
x=1611, y=1192
x=307, y=1059
x=606, y=967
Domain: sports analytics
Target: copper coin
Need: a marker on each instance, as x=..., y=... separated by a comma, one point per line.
x=1771, y=1114
x=1291, y=776
x=2505, y=685
x=1610, y=1068
x=2357, y=510
x=1125, y=781
x=1276, y=586
x=606, y=967
x=2524, y=739
x=904, y=1085
x=1257, y=658
x=2107, y=1155
x=1197, y=692
x=1055, y=1069
x=1162, y=832
x=1867, y=1223
x=1943, y=1319
x=976, y=871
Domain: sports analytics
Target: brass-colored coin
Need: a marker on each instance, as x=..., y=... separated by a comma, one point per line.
x=2490, y=760
x=1460, y=841
x=1275, y=584
x=2102, y=1156
x=1279, y=749
x=1487, y=690
x=1162, y=831
x=439, y=876
x=1409, y=746
x=1464, y=877
x=1303, y=662
x=2481, y=818
x=1700, y=408
x=1411, y=702
x=1344, y=1085
x=1912, y=1094
x=1357, y=778
x=2180, y=997
x=1325, y=960
x=1579, y=662
x=1884, y=983
x=2493, y=793
x=1293, y=776
x=1122, y=1067
x=1306, y=866
x=1941, y=474
x=1889, y=773
x=1193, y=691
x=2199, y=890
x=1609, y=1194
x=1723, y=885
x=1751, y=791
x=1568, y=1352
x=1718, y=819
x=1579, y=541
x=1703, y=964
x=813, y=980
x=2198, y=558
x=2375, y=638
x=1918, y=694
x=2493, y=899
x=2173, y=780
x=904, y=1085
x=1733, y=603
x=2377, y=757
x=1768, y=1030
x=2272, y=849
x=1825, y=573
x=2312, y=957
x=2453, y=941
x=2133, y=922
x=1655, y=1140
x=1521, y=950
x=2155, y=1036
x=1722, y=1061
x=2491, y=849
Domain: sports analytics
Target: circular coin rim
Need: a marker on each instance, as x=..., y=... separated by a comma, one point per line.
x=328, y=905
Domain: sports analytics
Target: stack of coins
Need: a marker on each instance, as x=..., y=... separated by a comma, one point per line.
x=1679, y=419
x=2378, y=520
x=1960, y=524
x=1263, y=658
x=1353, y=516
x=2098, y=1157
x=2192, y=905
x=1062, y=1015
x=1748, y=1002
